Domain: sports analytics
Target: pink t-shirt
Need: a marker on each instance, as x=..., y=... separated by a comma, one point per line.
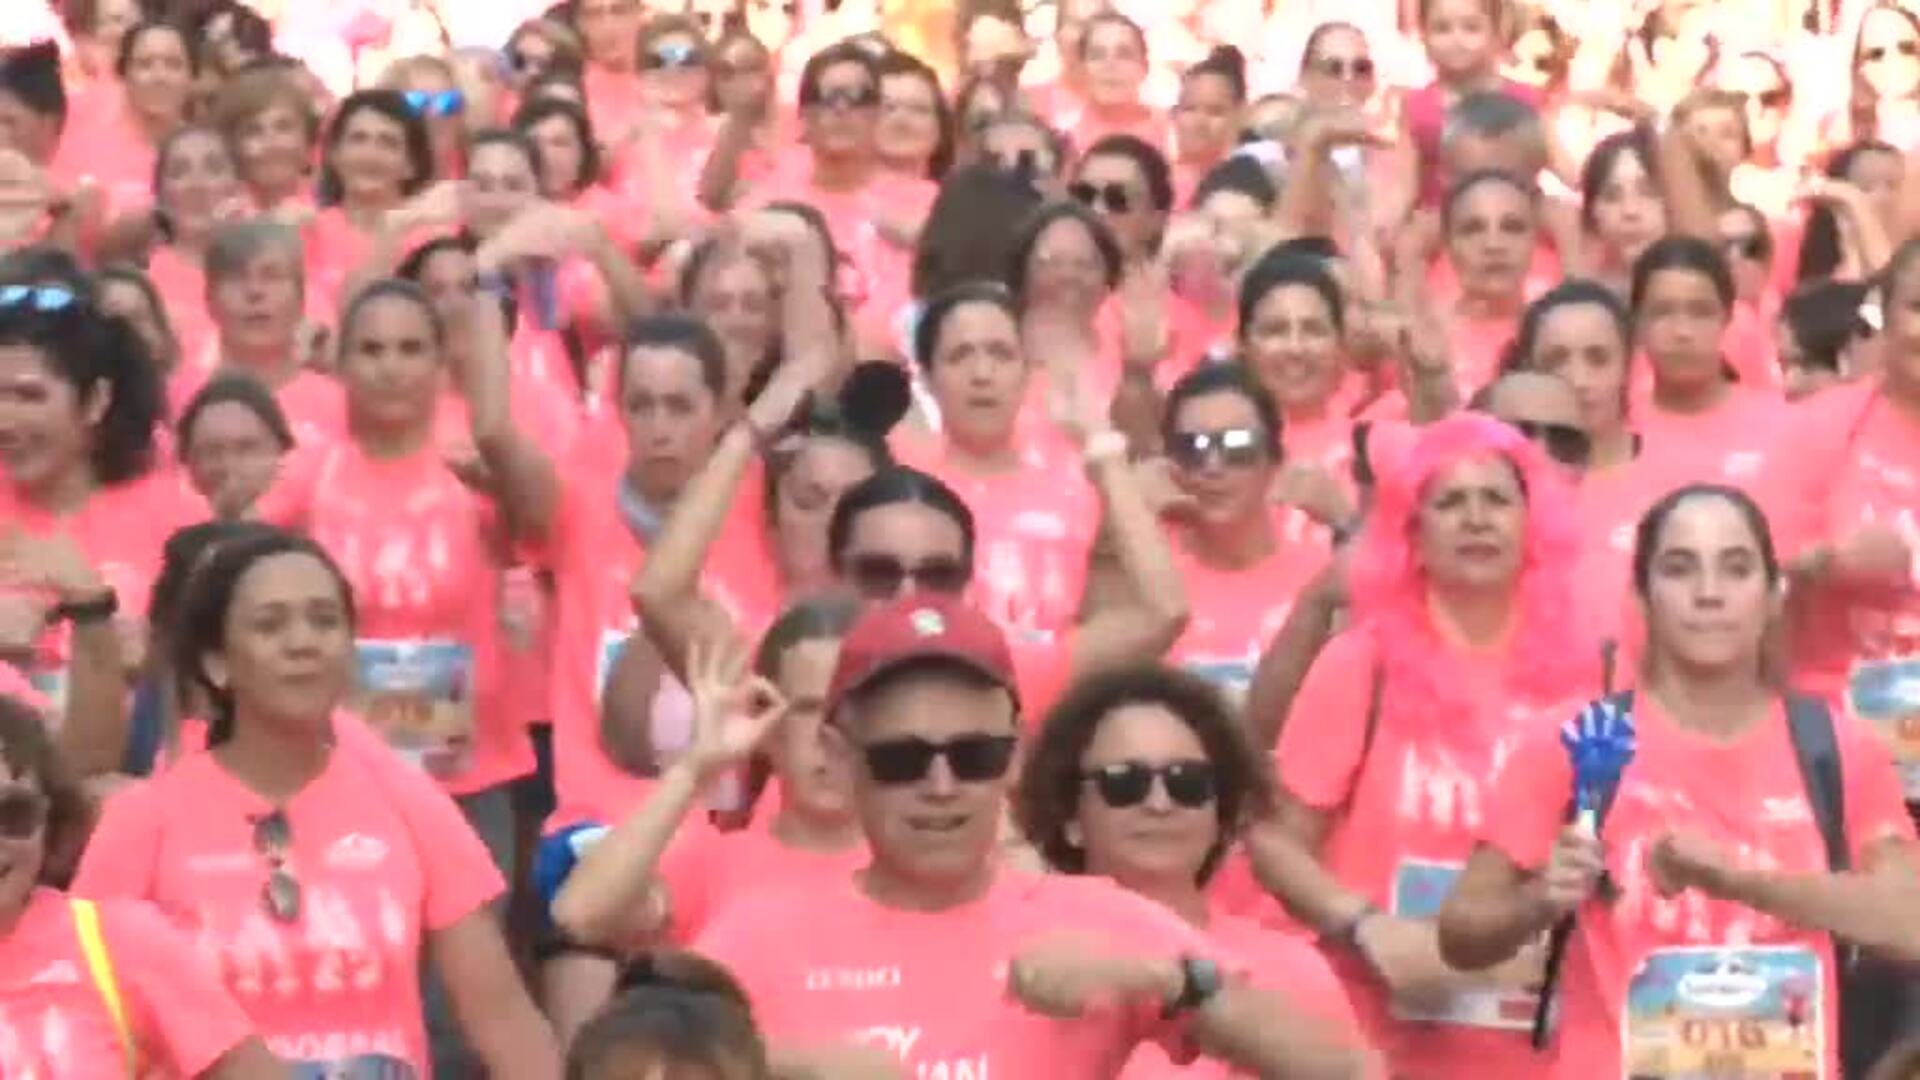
x=423, y=554
x=383, y=859
x=1237, y=612
x=614, y=101
x=54, y=1022
x=932, y=986
x=102, y=145
x=708, y=872
x=183, y=289
x=1476, y=346
x=122, y=531
x=1861, y=643
x=1033, y=534
x=335, y=249
x=1409, y=808
x=1274, y=960
x=1610, y=505
x=1748, y=441
x=1643, y=970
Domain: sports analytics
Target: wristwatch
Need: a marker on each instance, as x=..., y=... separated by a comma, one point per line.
x=1347, y=934
x=95, y=609
x=1199, y=981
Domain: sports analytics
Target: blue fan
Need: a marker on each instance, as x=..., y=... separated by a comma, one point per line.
x=1600, y=743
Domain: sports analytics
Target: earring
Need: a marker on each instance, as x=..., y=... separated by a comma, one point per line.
x=1071, y=834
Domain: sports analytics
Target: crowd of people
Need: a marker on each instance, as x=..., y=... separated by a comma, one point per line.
x=839, y=541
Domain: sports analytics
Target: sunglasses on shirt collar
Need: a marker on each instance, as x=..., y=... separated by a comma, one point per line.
x=1113, y=197
x=429, y=103
x=972, y=759
x=273, y=841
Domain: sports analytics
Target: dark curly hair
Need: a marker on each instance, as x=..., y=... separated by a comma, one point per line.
x=28, y=751
x=1049, y=793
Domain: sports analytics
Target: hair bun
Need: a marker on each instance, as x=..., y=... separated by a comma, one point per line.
x=874, y=397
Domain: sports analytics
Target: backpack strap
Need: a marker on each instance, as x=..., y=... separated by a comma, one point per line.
x=1817, y=751
x=93, y=945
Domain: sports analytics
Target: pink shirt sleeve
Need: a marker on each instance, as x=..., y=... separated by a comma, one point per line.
x=124, y=850
x=458, y=873
x=1876, y=806
x=1528, y=805
x=1324, y=740
x=179, y=1012
x=286, y=501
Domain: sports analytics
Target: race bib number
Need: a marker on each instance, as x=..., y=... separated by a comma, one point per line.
x=1419, y=888
x=419, y=695
x=1232, y=677
x=364, y=1067
x=1886, y=694
x=1746, y=1013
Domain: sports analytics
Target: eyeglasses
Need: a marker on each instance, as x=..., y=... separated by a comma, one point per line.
x=1115, y=196
x=1339, y=67
x=23, y=813
x=882, y=577
x=1235, y=447
x=1750, y=246
x=1564, y=443
x=673, y=57
x=42, y=298
x=1188, y=784
x=1776, y=98
x=1881, y=52
x=973, y=759
x=443, y=103
x=847, y=98
x=273, y=841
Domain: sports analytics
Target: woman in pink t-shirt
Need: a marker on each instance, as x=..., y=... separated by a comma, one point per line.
x=1206, y=120
x=1244, y=559
x=1722, y=902
x=423, y=546
x=78, y=458
x=376, y=155
x=1292, y=336
x=271, y=124
x=1112, y=54
x=1623, y=208
x=196, y=185
x=312, y=869
x=1066, y=264
x=232, y=436
x=1144, y=776
x=95, y=989
x=1460, y=644
x=915, y=135
x=113, y=143
x=658, y=874
x=1490, y=222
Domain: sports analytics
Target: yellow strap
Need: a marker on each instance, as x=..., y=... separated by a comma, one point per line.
x=86, y=922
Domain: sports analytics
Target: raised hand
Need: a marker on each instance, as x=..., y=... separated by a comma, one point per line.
x=732, y=712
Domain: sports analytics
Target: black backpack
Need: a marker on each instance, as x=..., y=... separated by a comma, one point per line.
x=1879, y=1004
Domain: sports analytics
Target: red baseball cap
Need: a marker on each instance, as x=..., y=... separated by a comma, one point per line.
x=914, y=627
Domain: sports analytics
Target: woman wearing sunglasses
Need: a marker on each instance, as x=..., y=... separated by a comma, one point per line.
x=1145, y=777
x=313, y=869
x=1243, y=559
x=1459, y=644
x=432, y=93
x=135, y=997
x=375, y=157
x=86, y=502
x=1713, y=870
x=959, y=953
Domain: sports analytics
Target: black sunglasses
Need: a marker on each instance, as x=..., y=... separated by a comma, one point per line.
x=1881, y=52
x=22, y=813
x=1236, y=447
x=1339, y=67
x=1564, y=443
x=882, y=577
x=1189, y=784
x=846, y=98
x=1775, y=98
x=273, y=841
x=1114, y=196
x=444, y=103
x=672, y=57
x=973, y=759
x=1747, y=247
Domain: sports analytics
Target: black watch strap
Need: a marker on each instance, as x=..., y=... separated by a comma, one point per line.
x=94, y=609
x=1200, y=980
x=1347, y=934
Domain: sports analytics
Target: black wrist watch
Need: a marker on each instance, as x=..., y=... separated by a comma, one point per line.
x=1347, y=934
x=95, y=609
x=1199, y=981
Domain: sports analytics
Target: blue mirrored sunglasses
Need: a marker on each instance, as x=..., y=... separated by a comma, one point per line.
x=38, y=297
x=444, y=103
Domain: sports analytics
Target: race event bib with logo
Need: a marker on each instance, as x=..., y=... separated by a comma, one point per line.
x=419, y=695
x=1886, y=694
x=1419, y=888
x=364, y=1067
x=1754, y=1013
